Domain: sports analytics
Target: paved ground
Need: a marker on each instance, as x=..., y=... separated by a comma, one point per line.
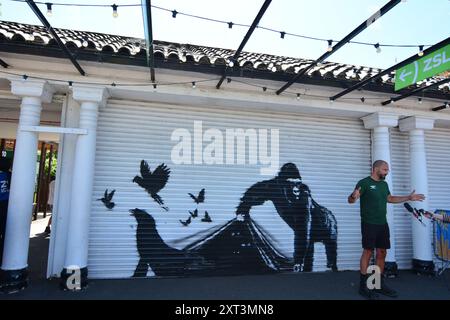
x=286, y=286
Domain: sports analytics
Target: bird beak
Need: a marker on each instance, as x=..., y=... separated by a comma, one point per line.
x=131, y=212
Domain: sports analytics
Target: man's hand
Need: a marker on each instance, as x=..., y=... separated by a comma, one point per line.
x=413, y=196
x=355, y=195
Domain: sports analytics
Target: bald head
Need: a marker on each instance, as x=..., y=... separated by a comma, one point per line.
x=380, y=169
x=378, y=163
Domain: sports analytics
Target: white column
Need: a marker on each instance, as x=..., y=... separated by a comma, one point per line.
x=15, y=254
x=83, y=178
x=63, y=190
x=380, y=124
x=422, y=250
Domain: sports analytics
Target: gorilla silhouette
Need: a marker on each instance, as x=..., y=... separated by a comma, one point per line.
x=310, y=222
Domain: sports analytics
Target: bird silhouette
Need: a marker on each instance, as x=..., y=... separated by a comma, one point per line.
x=153, y=182
x=186, y=223
x=200, y=198
x=207, y=218
x=194, y=214
x=107, y=199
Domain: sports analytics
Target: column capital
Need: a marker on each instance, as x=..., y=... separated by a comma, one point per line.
x=40, y=89
x=380, y=119
x=413, y=123
x=87, y=93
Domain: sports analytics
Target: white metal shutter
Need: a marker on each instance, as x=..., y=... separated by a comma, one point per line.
x=438, y=153
x=331, y=154
x=437, y=143
x=401, y=186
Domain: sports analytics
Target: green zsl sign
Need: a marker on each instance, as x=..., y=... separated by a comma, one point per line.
x=427, y=66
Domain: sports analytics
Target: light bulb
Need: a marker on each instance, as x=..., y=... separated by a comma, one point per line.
x=420, y=51
x=330, y=45
x=49, y=8
x=377, y=46
x=115, y=14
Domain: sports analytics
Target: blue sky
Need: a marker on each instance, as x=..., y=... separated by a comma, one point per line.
x=415, y=22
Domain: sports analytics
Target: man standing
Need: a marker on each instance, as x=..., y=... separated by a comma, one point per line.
x=374, y=193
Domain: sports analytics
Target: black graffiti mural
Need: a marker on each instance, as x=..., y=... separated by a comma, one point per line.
x=292, y=199
x=239, y=246
x=153, y=182
x=153, y=251
x=107, y=199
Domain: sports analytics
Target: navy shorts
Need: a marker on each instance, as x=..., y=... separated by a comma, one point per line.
x=375, y=236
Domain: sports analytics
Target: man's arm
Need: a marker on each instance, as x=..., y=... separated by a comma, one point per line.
x=411, y=197
x=354, y=196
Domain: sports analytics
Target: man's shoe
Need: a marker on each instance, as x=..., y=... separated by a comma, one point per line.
x=367, y=293
x=386, y=291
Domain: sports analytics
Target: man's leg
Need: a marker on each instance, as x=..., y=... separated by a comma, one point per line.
x=381, y=257
x=383, y=243
x=364, y=264
x=365, y=260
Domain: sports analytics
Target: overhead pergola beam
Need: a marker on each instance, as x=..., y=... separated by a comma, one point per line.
x=244, y=41
x=413, y=58
x=412, y=92
x=341, y=43
x=63, y=47
x=149, y=32
x=4, y=64
x=444, y=106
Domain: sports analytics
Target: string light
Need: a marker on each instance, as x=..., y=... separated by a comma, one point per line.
x=274, y=69
x=377, y=46
x=84, y=43
x=113, y=84
x=49, y=8
x=231, y=64
x=330, y=45
x=115, y=14
x=230, y=24
x=420, y=51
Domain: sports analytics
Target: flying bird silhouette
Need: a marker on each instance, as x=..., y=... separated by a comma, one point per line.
x=207, y=218
x=186, y=223
x=153, y=182
x=107, y=199
x=194, y=214
x=200, y=198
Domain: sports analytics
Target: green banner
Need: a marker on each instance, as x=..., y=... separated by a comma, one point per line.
x=427, y=66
